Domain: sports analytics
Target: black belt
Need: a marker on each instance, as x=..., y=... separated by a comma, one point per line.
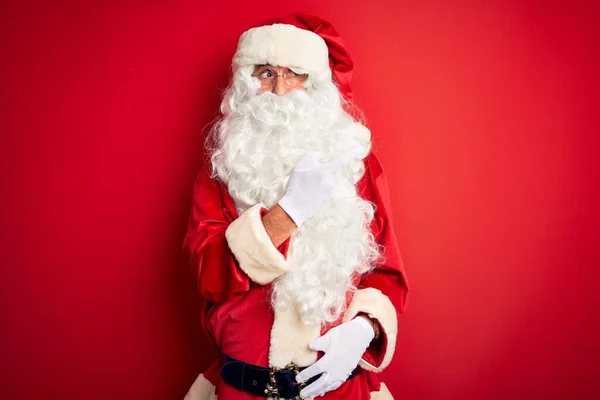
x=277, y=383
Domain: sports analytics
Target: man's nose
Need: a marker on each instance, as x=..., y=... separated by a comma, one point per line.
x=281, y=87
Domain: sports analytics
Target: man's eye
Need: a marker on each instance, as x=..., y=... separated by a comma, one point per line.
x=292, y=73
x=266, y=74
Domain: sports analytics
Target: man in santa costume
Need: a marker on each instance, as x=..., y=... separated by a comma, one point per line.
x=290, y=232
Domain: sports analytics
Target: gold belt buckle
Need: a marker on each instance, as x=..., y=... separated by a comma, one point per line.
x=272, y=390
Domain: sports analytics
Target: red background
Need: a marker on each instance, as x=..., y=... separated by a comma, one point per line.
x=484, y=116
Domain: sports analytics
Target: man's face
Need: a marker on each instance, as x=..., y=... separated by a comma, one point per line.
x=278, y=80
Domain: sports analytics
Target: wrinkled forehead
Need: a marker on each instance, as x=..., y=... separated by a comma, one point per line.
x=282, y=45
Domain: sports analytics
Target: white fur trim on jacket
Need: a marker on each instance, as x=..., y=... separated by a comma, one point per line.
x=382, y=394
x=377, y=306
x=290, y=338
x=283, y=45
x=201, y=389
x=252, y=247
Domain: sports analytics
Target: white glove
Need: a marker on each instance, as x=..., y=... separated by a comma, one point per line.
x=344, y=346
x=311, y=185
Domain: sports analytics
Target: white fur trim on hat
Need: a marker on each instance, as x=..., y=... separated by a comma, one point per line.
x=285, y=46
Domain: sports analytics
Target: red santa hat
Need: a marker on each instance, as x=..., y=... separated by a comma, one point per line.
x=298, y=40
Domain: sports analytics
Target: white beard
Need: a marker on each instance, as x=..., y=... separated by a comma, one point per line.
x=256, y=147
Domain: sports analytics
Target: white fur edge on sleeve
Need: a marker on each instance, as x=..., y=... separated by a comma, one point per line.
x=377, y=306
x=252, y=247
x=201, y=389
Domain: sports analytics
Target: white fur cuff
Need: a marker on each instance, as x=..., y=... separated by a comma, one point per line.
x=377, y=306
x=283, y=45
x=252, y=247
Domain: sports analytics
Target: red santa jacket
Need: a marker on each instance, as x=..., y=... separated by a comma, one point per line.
x=235, y=262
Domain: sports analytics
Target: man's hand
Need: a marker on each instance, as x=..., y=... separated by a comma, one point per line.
x=311, y=185
x=343, y=346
